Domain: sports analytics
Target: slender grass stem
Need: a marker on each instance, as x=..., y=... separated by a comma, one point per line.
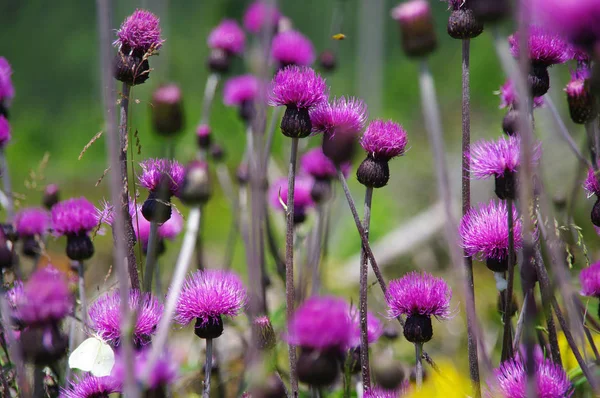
x=181, y=269
x=289, y=259
x=419, y=364
x=364, y=272
x=151, y=250
x=507, y=351
x=520, y=323
x=7, y=186
x=122, y=259
x=208, y=368
x=564, y=132
x=209, y=94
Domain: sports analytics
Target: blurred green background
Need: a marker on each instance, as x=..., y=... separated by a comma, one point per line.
x=53, y=50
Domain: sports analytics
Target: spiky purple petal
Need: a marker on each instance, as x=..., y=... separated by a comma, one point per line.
x=545, y=48
x=495, y=158
x=384, y=139
x=153, y=171
x=89, y=386
x=341, y=116
x=140, y=31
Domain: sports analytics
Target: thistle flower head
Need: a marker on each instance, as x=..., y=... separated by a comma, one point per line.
x=419, y=294
x=7, y=91
x=168, y=230
x=509, y=96
x=317, y=165
x=167, y=94
x=45, y=298
x=32, y=221
x=551, y=380
x=90, y=386
x=292, y=48
x=139, y=32
x=591, y=184
x=227, y=36
x=209, y=295
x=484, y=231
x=260, y=14
x=278, y=193
x=74, y=216
x=590, y=280
x=341, y=116
x=321, y=323
x=5, y=131
x=545, y=48
x=411, y=10
x=240, y=89
x=495, y=158
x=155, y=170
x=374, y=327
x=297, y=86
x=384, y=139
x=105, y=316
x=164, y=370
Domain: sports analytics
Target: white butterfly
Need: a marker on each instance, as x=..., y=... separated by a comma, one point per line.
x=93, y=355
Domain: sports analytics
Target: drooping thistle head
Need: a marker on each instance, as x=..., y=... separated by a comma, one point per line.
x=419, y=296
x=225, y=41
x=207, y=297
x=382, y=140
x=75, y=218
x=292, y=48
x=341, y=122
x=90, y=386
x=303, y=201
x=484, y=234
x=299, y=88
x=261, y=14
x=137, y=39
x=105, y=316
x=551, y=379
x=163, y=178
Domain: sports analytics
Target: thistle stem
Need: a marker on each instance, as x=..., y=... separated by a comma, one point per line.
x=419, y=364
x=123, y=259
x=124, y=199
x=275, y=116
x=181, y=269
x=209, y=94
x=82, y=296
x=466, y=205
x=364, y=271
x=208, y=368
x=151, y=256
x=507, y=351
x=320, y=226
x=289, y=259
x=199, y=245
x=520, y=323
x=7, y=186
x=38, y=382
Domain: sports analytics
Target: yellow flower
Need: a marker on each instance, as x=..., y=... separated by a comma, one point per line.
x=567, y=356
x=448, y=383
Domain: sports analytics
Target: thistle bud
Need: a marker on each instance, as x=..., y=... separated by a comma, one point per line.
x=388, y=372
x=51, y=196
x=204, y=134
x=581, y=102
x=417, y=27
x=167, y=110
x=263, y=333
x=217, y=152
x=196, y=183
x=318, y=368
x=462, y=23
x=209, y=330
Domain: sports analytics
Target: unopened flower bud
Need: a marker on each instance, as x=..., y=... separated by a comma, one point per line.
x=196, y=183
x=373, y=173
x=217, y=152
x=210, y=329
x=318, y=368
x=510, y=122
x=418, y=328
x=328, y=61
x=581, y=101
x=417, y=27
x=263, y=333
x=462, y=23
x=51, y=196
x=204, y=134
x=388, y=372
x=167, y=110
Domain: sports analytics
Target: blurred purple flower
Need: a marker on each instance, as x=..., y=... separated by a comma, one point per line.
x=46, y=298
x=591, y=184
x=484, y=231
x=168, y=230
x=74, y=216
x=139, y=32
x=278, y=193
x=380, y=392
x=419, y=293
x=292, y=48
x=164, y=372
x=317, y=165
x=240, y=89
x=5, y=131
x=374, y=327
x=509, y=96
x=32, y=221
x=227, y=36
x=105, y=316
x=590, y=280
x=209, y=295
x=154, y=170
x=411, y=10
x=7, y=90
x=384, y=139
x=261, y=14
x=298, y=86
x=167, y=94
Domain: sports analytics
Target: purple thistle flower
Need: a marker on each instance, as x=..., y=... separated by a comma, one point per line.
x=591, y=184
x=90, y=386
x=7, y=91
x=208, y=295
x=45, y=299
x=495, y=158
x=384, y=139
x=509, y=97
x=105, y=316
x=260, y=14
x=484, y=231
x=154, y=170
x=74, y=216
x=5, y=131
x=298, y=86
x=380, y=392
x=317, y=165
x=321, y=323
x=374, y=327
x=240, y=89
x=341, y=116
x=292, y=48
x=167, y=230
x=419, y=294
x=227, y=36
x=590, y=280
x=545, y=48
x=139, y=32
x=164, y=371
x=32, y=221
x=278, y=193
x=551, y=380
